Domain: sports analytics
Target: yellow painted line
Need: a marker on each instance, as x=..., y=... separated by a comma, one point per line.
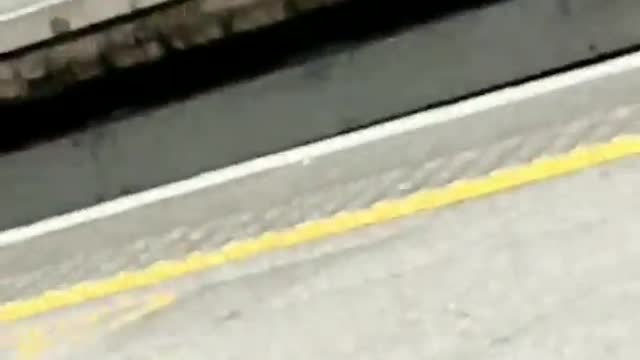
x=156, y=303
x=36, y=340
x=430, y=199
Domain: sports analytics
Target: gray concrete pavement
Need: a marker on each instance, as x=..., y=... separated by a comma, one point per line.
x=540, y=268
x=346, y=179
x=425, y=149
x=547, y=271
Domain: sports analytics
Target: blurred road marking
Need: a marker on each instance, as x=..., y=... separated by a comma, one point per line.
x=37, y=338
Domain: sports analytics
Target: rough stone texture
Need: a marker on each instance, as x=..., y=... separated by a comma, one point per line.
x=140, y=40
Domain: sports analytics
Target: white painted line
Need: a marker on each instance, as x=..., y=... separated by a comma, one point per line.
x=304, y=154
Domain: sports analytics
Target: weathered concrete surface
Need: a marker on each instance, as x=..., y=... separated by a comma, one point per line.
x=429, y=155
x=549, y=270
